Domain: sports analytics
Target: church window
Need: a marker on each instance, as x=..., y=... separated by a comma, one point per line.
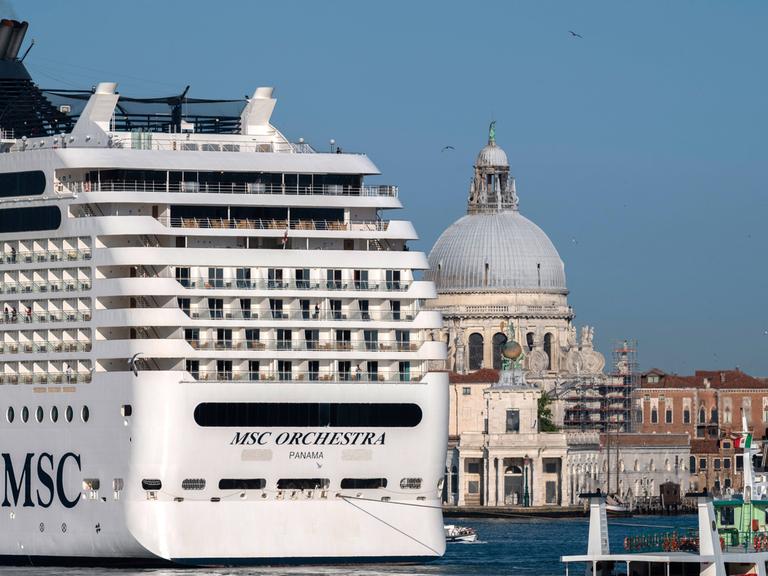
x=475, y=351
x=548, y=349
x=702, y=416
x=713, y=415
x=513, y=420
x=499, y=340
x=654, y=415
x=692, y=464
x=529, y=340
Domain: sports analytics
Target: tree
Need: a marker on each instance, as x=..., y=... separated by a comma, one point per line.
x=545, y=414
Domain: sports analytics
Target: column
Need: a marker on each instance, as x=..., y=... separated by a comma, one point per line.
x=460, y=490
x=449, y=481
x=500, y=482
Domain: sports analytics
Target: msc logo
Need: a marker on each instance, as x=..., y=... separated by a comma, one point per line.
x=50, y=478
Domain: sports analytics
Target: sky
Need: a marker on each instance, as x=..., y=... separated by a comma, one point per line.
x=639, y=148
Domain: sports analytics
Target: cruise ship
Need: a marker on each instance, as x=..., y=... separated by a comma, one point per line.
x=215, y=348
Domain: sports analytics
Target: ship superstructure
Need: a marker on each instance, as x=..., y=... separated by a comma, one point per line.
x=213, y=347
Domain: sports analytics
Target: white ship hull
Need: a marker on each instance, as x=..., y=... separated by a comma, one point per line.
x=244, y=526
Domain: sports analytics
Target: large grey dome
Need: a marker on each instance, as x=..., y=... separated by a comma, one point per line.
x=500, y=252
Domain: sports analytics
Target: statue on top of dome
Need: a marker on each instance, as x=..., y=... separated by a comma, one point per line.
x=492, y=132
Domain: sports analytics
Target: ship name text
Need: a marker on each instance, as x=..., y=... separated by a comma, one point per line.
x=309, y=439
x=50, y=477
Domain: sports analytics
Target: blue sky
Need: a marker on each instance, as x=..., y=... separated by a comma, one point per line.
x=640, y=149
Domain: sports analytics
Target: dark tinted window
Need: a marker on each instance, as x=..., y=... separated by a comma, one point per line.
x=307, y=414
x=242, y=484
x=29, y=219
x=363, y=483
x=22, y=184
x=151, y=484
x=302, y=483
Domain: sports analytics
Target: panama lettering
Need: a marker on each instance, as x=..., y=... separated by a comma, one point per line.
x=308, y=439
x=18, y=489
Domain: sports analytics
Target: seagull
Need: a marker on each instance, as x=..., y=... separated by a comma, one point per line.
x=447, y=148
x=575, y=35
x=132, y=363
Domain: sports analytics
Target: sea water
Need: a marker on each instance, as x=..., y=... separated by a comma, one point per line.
x=518, y=547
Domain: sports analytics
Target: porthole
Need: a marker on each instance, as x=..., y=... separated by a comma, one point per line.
x=10, y=414
x=24, y=414
x=54, y=414
x=69, y=414
x=39, y=414
x=85, y=414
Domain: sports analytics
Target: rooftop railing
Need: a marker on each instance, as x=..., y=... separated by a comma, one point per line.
x=386, y=191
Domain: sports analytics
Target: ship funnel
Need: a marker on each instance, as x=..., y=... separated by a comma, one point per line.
x=12, y=34
x=17, y=37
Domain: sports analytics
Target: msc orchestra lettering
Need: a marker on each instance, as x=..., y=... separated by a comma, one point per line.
x=309, y=438
x=50, y=477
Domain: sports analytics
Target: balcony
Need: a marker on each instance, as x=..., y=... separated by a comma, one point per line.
x=205, y=375
x=385, y=191
x=38, y=256
x=45, y=346
x=276, y=224
x=260, y=284
x=223, y=314
x=304, y=345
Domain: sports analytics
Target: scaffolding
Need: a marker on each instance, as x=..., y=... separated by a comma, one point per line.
x=603, y=402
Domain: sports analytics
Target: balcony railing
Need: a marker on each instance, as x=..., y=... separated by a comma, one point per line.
x=44, y=346
x=229, y=188
x=205, y=375
x=45, y=317
x=32, y=256
x=218, y=314
x=276, y=224
x=46, y=378
x=261, y=284
x=44, y=287
x=304, y=345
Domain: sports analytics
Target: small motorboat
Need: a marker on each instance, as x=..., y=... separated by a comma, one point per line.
x=455, y=533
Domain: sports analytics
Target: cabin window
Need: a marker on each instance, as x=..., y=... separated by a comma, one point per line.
x=410, y=483
x=363, y=483
x=69, y=414
x=10, y=414
x=193, y=484
x=29, y=219
x=242, y=484
x=54, y=414
x=126, y=410
x=22, y=183
x=307, y=414
x=303, y=483
x=152, y=484
x=726, y=516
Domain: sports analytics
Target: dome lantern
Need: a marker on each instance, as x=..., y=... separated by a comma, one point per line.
x=492, y=188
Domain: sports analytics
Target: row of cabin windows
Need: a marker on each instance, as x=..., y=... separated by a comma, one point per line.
x=277, y=278
x=277, y=310
x=153, y=484
x=346, y=371
x=285, y=337
x=40, y=414
x=477, y=345
x=256, y=213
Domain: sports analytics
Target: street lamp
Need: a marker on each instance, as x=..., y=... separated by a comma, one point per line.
x=526, y=495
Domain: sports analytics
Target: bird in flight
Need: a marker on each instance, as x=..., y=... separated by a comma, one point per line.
x=575, y=35
x=447, y=148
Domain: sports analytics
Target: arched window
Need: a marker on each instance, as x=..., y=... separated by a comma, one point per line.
x=529, y=340
x=654, y=415
x=499, y=340
x=713, y=415
x=475, y=351
x=692, y=465
x=702, y=416
x=454, y=480
x=548, y=349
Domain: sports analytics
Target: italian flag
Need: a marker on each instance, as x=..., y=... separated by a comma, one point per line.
x=744, y=441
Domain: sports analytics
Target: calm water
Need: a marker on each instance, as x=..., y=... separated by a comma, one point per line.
x=504, y=547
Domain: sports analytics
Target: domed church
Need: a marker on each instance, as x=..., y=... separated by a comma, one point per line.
x=494, y=266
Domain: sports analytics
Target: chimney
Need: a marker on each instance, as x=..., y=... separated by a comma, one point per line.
x=19, y=31
x=722, y=377
x=706, y=383
x=6, y=31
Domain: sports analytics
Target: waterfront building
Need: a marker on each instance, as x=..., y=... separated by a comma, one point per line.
x=498, y=454
x=707, y=406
